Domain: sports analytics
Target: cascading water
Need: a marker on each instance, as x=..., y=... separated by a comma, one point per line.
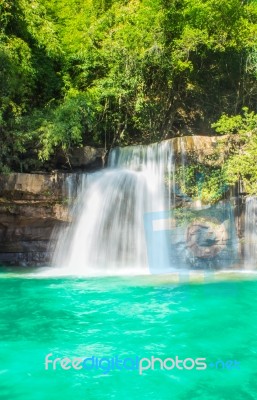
x=251, y=233
x=124, y=219
x=108, y=233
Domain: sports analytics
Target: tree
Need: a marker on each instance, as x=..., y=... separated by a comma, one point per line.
x=119, y=72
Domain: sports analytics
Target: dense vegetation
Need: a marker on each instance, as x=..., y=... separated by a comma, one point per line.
x=106, y=72
x=239, y=147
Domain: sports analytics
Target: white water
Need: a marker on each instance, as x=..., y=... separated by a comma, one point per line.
x=251, y=233
x=108, y=233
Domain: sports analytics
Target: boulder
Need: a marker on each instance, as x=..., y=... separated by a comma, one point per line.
x=85, y=158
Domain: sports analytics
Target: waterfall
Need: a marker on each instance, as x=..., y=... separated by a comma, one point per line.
x=108, y=231
x=251, y=233
x=132, y=218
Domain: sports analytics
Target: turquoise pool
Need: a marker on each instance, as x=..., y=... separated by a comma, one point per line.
x=127, y=317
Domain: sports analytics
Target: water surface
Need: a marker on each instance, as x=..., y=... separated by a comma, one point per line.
x=126, y=317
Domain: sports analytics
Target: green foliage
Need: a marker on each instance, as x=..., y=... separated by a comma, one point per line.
x=27, y=38
x=242, y=165
x=110, y=72
x=202, y=182
x=67, y=124
x=236, y=123
x=240, y=148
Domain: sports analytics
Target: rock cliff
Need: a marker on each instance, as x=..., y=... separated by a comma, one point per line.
x=31, y=206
